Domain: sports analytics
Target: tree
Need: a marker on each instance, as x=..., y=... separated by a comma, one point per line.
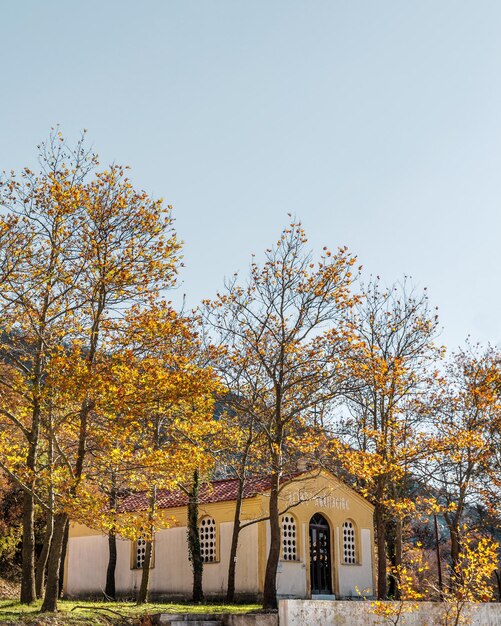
x=390, y=366
x=471, y=579
x=240, y=460
x=10, y=525
x=193, y=538
x=38, y=298
x=159, y=404
x=82, y=250
x=462, y=470
x=283, y=338
x=411, y=592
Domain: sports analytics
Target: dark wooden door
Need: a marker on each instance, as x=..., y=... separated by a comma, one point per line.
x=320, y=555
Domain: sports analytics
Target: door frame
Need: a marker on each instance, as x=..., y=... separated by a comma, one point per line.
x=331, y=553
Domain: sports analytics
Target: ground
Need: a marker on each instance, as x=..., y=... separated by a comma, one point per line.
x=85, y=613
x=8, y=590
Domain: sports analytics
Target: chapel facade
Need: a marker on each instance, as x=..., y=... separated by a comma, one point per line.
x=327, y=543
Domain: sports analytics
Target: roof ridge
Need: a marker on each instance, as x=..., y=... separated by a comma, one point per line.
x=221, y=490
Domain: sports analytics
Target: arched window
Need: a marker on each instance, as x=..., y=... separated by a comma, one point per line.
x=207, y=533
x=349, y=543
x=289, y=541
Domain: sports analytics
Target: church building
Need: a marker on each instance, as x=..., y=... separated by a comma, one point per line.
x=327, y=543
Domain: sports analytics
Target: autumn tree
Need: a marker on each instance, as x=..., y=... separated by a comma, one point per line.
x=40, y=269
x=193, y=538
x=235, y=456
x=174, y=403
x=81, y=249
x=412, y=591
x=10, y=525
x=129, y=253
x=112, y=462
x=471, y=579
x=495, y=471
x=463, y=470
x=283, y=339
x=151, y=419
x=240, y=460
x=391, y=369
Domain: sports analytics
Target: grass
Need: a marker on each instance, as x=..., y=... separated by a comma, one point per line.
x=84, y=612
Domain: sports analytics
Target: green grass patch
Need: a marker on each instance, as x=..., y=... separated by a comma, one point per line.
x=83, y=613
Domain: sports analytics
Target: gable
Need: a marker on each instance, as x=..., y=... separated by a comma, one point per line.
x=323, y=490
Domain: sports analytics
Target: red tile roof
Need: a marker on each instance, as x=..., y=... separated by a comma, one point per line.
x=215, y=491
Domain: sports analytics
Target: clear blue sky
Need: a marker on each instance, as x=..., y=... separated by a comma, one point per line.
x=378, y=123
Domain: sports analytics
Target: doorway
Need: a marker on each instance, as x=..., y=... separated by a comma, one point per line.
x=320, y=556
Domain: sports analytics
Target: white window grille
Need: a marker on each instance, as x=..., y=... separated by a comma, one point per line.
x=140, y=552
x=207, y=533
x=349, y=547
x=289, y=543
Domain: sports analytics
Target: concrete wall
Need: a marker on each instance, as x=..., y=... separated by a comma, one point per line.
x=358, y=576
x=171, y=573
x=291, y=579
x=291, y=575
x=361, y=613
x=86, y=564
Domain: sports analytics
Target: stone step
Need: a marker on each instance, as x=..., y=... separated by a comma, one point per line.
x=187, y=619
x=323, y=596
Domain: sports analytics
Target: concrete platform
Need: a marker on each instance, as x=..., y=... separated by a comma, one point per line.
x=211, y=619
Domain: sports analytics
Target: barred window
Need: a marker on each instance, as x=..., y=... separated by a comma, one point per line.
x=349, y=551
x=139, y=552
x=207, y=532
x=289, y=548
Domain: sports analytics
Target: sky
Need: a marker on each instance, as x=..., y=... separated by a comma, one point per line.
x=378, y=124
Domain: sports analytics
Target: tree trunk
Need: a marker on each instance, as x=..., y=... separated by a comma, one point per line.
x=455, y=550
x=197, y=564
x=142, y=595
x=61, y=523
x=390, y=549
x=398, y=543
x=270, y=578
x=498, y=579
x=380, y=528
x=28, y=590
x=41, y=567
x=44, y=556
x=64, y=548
x=232, y=567
x=56, y=549
x=398, y=553
x=109, y=590
x=394, y=545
